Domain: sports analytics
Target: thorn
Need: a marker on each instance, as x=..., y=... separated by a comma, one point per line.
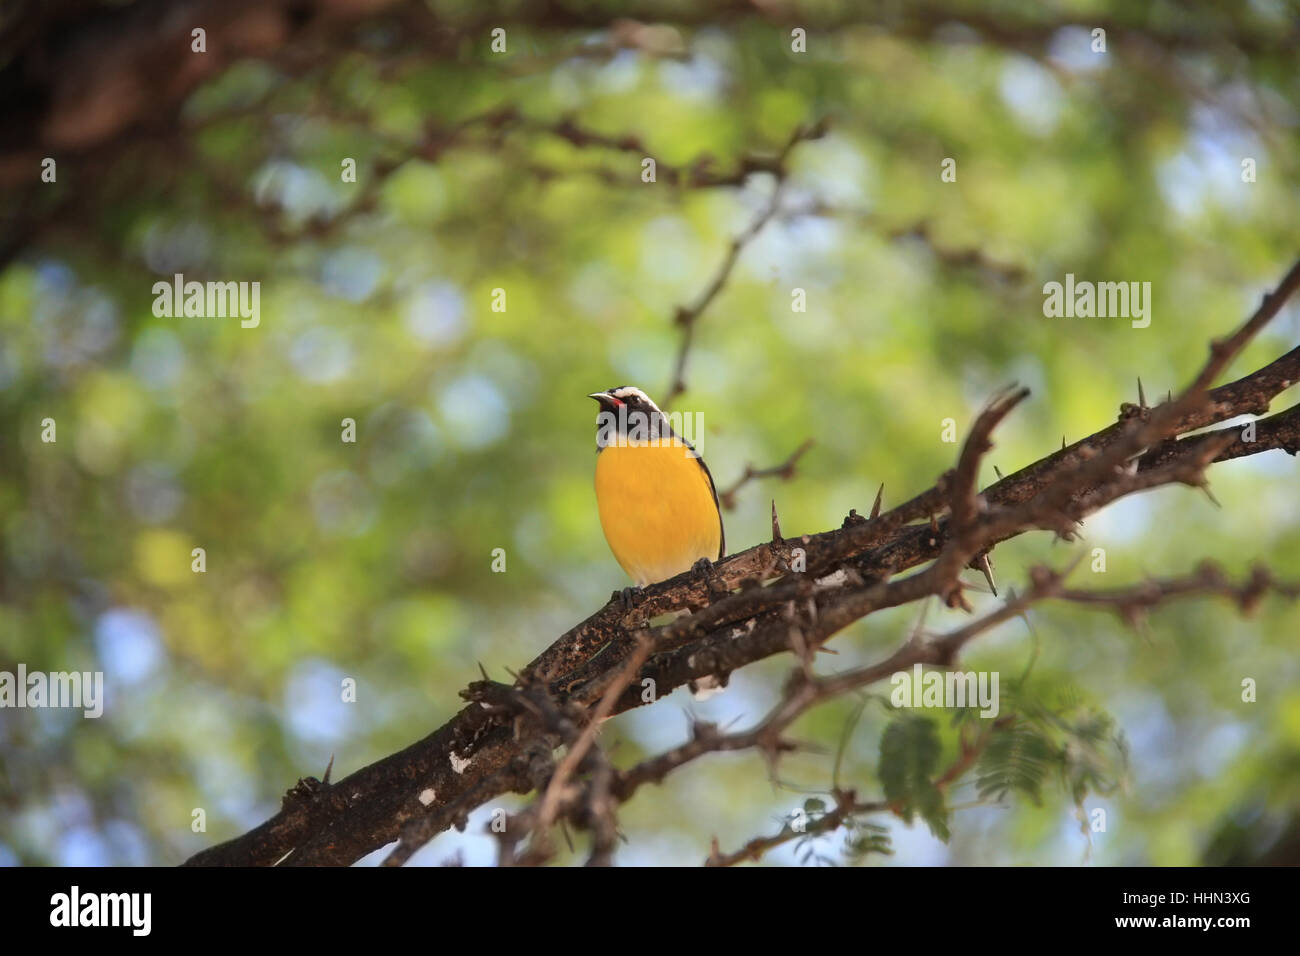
x=1205, y=487
x=1169, y=396
x=1142, y=397
x=997, y=472
x=875, y=509
x=986, y=566
x=776, y=524
x=328, y=768
x=482, y=670
x=1062, y=443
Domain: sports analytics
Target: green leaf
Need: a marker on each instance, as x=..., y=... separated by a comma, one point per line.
x=1016, y=759
x=909, y=755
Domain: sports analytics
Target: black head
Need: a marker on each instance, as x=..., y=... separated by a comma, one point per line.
x=626, y=396
x=628, y=412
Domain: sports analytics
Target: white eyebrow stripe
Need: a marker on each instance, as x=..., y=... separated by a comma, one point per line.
x=629, y=391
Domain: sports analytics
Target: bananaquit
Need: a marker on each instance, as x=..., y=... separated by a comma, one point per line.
x=658, y=506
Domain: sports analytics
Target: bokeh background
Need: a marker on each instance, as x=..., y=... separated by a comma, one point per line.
x=328, y=560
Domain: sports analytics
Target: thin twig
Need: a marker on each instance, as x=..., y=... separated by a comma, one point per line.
x=785, y=471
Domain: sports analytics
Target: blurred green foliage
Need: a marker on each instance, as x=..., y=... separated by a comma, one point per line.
x=327, y=560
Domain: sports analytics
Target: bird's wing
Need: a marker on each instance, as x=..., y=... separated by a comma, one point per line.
x=722, y=532
x=708, y=475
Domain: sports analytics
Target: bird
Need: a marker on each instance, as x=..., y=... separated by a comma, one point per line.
x=656, y=498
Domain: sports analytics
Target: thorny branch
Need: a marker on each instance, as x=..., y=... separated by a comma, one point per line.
x=754, y=604
x=802, y=692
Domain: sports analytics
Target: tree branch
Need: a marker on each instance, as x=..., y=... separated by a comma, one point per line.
x=785, y=471
x=686, y=316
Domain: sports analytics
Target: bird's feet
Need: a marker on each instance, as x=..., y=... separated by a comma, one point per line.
x=706, y=572
x=626, y=598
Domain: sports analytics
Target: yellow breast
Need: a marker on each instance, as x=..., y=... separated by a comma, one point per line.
x=657, y=509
